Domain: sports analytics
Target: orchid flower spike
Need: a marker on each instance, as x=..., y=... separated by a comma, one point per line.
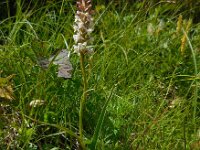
x=83, y=27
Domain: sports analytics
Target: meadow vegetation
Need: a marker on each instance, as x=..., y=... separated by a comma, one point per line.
x=142, y=85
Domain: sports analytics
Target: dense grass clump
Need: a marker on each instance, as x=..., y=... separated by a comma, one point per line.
x=142, y=85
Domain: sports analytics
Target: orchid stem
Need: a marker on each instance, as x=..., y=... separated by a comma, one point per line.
x=83, y=98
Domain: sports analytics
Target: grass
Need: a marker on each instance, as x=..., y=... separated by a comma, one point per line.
x=147, y=89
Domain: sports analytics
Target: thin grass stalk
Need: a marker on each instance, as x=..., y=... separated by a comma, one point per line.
x=194, y=103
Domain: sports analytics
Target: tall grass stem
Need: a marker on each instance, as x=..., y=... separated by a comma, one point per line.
x=83, y=98
x=194, y=103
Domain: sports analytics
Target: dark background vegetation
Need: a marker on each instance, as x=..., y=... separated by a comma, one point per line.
x=189, y=8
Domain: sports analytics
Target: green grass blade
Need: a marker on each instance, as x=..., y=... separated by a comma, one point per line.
x=194, y=104
x=100, y=122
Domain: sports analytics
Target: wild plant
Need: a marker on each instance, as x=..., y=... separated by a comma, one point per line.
x=83, y=27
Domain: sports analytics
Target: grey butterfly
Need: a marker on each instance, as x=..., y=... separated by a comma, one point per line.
x=62, y=60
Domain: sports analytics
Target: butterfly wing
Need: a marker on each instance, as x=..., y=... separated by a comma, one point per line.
x=65, y=66
x=63, y=62
x=61, y=59
x=64, y=71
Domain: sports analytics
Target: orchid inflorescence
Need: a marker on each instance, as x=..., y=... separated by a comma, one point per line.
x=83, y=27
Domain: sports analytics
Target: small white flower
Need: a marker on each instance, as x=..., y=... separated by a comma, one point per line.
x=80, y=47
x=90, y=30
x=78, y=37
x=80, y=25
x=77, y=18
x=84, y=44
x=76, y=28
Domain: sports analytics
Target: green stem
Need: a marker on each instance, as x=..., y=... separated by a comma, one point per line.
x=194, y=104
x=83, y=98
